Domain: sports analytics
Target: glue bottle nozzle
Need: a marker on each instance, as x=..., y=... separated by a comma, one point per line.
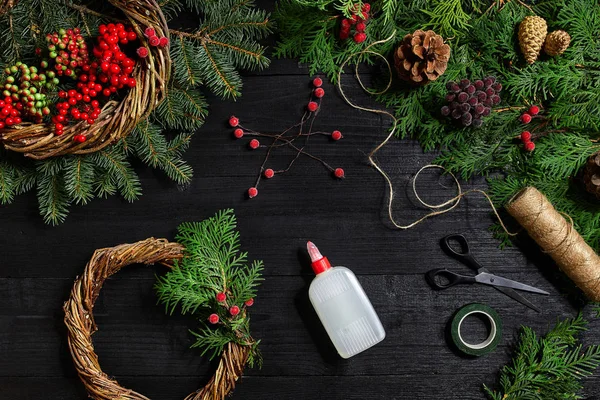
x=319, y=263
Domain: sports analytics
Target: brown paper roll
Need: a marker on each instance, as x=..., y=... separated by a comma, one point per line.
x=557, y=237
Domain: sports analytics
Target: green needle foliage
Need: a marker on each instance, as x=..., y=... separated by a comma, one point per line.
x=548, y=368
x=213, y=264
x=483, y=37
x=207, y=58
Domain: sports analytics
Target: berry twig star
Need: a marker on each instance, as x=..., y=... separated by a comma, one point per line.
x=295, y=137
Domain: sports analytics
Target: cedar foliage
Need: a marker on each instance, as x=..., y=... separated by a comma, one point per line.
x=549, y=367
x=482, y=35
x=213, y=264
x=207, y=59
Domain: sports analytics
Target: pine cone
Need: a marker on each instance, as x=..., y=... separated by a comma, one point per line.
x=532, y=33
x=591, y=175
x=421, y=57
x=556, y=43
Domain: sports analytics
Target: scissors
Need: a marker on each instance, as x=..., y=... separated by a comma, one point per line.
x=442, y=278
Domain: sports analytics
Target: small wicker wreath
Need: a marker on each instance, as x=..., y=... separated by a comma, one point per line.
x=118, y=118
x=80, y=323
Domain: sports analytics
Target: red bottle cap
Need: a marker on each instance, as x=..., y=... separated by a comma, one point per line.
x=319, y=263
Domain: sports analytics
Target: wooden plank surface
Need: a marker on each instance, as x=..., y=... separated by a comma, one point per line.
x=148, y=351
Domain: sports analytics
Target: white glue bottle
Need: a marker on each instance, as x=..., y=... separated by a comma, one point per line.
x=343, y=307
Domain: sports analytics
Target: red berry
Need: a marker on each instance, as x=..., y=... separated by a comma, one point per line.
x=525, y=136
x=213, y=318
x=269, y=173
x=364, y=16
x=252, y=192
x=345, y=24
x=142, y=52
x=353, y=20
x=319, y=92
x=131, y=36
x=529, y=146
x=344, y=35
x=534, y=110
x=249, y=302
x=79, y=138
x=361, y=26
x=154, y=41
x=238, y=133
x=339, y=173
x=254, y=143
x=149, y=32
x=163, y=42
x=366, y=7
x=233, y=121
x=317, y=82
x=312, y=106
x=360, y=37
x=221, y=297
x=525, y=118
x=336, y=135
x=234, y=310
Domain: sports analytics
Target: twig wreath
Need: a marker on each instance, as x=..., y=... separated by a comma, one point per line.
x=208, y=277
x=118, y=118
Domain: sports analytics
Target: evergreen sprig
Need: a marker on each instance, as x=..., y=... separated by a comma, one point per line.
x=213, y=264
x=483, y=39
x=207, y=58
x=550, y=367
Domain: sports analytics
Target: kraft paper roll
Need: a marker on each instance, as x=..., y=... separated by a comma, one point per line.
x=557, y=237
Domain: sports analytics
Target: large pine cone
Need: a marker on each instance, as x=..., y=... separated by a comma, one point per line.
x=532, y=33
x=591, y=175
x=556, y=43
x=421, y=57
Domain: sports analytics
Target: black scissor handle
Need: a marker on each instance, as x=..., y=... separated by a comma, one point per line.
x=441, y=278
x=464, y=255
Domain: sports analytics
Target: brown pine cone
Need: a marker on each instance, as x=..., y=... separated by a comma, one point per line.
x=421, y=57
x=556, y=43
x=591, y=175
x=532, y=33
x=6, y=5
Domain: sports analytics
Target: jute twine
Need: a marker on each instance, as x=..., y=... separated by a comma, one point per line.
x=557, y=237
x=80, y=323
x=118, y=118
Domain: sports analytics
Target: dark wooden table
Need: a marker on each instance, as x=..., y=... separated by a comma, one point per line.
x=148, y=351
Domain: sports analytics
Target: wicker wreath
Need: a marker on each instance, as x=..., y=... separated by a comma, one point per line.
x=80, y=323
x=118, y=118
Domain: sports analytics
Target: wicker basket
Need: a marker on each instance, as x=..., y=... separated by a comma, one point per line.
x=80, y=323
x=118, y=118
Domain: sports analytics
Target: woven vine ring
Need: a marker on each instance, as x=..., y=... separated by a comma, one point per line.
x=80, y=323
x=118, y=118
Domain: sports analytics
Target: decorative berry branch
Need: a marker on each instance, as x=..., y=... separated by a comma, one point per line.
x=289, y=138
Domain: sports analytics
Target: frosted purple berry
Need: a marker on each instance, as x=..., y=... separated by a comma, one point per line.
x=466, y=119
x=490, y=91
x=462, y=97
x=481, y=96
x=479, y=84
x=456, y=114
x=477, y=122
x=454, y=105
x=449, y=86
x=479, y=109
x=450, y=97
x=497, y=87
x=487, y=82
x=465, y=107
x=445, y=111
x=464, y=83
x=486, y=111
x=495, y=99
x=470, y=89
x=473, y=101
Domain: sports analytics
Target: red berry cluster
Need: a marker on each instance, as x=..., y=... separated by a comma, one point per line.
x=68, y=49
x=112, y=71
x=153, y=40
x=526, y=137
x=281, y=139
x=357, y=24
x=528, y=115
x=9, y=115
x=233, y=310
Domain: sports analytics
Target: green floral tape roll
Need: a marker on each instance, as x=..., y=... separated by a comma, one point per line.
x=489, y=344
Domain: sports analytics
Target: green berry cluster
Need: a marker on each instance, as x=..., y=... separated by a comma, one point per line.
x=26, y=84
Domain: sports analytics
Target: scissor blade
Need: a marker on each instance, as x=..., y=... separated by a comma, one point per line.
x=513, y=294
x=490, y=279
